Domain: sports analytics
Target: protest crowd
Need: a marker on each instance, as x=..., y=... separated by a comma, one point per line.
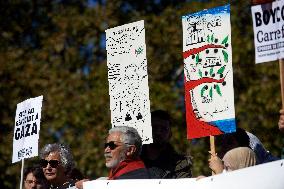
x=127, y=158
x=138, y=143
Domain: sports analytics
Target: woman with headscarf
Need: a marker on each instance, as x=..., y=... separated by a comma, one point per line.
x=234, y=159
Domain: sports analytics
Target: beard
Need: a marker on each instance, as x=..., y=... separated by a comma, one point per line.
x=113, y=163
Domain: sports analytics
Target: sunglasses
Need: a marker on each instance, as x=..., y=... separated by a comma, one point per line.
x=112, y=144
x=53, y=163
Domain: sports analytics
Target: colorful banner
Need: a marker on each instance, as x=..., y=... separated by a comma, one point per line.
x=208, y=73
x=268, y=26
x=128, y=78
x=27, y=127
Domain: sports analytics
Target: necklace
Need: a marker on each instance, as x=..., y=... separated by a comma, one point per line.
x=65, y=185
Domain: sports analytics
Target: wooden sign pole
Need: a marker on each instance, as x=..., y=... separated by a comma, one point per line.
x=212, y=148
x=22, y=173
x=212, y=145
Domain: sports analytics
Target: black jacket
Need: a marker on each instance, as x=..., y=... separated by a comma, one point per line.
x=136, y=174
x=169, y=164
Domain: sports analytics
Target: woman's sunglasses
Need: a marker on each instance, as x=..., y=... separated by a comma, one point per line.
x=53, y=163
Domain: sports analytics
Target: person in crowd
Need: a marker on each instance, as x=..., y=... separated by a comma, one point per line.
x=262, y=155
x=122, y=154
x=242, y=138
x=281, y=121
x=160, y=157
x=34, y=178
x=232, y=140
x=57, y=163
x=234, y=159
x=122, y=150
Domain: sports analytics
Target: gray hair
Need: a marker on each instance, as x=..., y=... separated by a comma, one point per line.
x=129, y=136
x=64, y=151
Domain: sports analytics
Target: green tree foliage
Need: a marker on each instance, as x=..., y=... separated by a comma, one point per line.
x=56, y=49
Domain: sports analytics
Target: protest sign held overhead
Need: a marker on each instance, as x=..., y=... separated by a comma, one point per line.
x=268, y=25
x=208, y=74
x=128, y=78
x=27, y=127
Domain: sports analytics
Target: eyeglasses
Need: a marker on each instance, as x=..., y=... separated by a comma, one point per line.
x=112, y=144
x=53, y=163
x=30, y=182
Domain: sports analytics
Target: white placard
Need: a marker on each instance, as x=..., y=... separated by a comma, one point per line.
x=268, y=25
x=128, y=78
x=27, y=127
x=264, y=176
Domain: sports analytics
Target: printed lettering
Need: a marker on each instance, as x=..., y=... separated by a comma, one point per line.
x=34, y=128
x=27, y=130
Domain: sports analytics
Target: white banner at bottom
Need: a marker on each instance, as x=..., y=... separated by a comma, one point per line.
x=264, y=176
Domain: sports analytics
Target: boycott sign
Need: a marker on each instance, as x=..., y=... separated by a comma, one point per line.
x=268, y=25
x=27, y=126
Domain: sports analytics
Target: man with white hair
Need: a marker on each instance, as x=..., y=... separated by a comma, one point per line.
x=122, y=150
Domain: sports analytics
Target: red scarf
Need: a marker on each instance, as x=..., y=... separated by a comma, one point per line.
x=125, y=167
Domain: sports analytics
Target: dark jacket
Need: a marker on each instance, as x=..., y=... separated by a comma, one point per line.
x=169, y=164
x=136, y=174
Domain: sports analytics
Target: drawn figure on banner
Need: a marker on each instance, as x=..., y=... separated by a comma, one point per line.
x=210, y=63
x=135, y=98
x=128, y=79
x=130, y=101
x=195, y=31
x=206, y=70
